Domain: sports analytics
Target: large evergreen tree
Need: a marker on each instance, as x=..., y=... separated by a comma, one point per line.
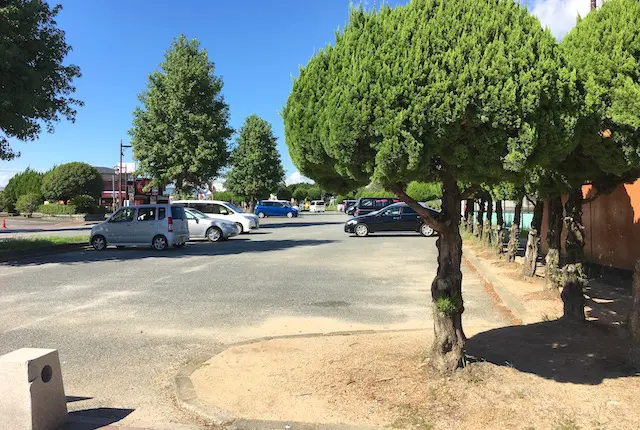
x=181, y=132
x=27, y=182
x=70, y=180
x=467, y=91
x=35, y=86
x=256, y=167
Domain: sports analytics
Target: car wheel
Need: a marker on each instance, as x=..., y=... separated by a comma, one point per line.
x=426, y=230
x=214, y=234
x=289, y=214
x=240, y=228
x=362, y=230
x=99, y=243
x=159, y=243
x=260, y=214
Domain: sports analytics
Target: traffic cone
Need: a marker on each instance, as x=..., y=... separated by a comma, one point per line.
x=4, y=223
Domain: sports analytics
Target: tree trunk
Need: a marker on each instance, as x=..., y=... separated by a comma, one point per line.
x=574, y=245
x=533, y=241
x=552, y=261
x=487, y=231
x=572, y=295
x=480, y=219
x=449, y=341
x=252, y=205
x=594, y=4
x=499, y=236
x=514, y=233
x=468, y=215
x=634, y=321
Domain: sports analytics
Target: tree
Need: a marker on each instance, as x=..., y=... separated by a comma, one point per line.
x=424, y=191
x=35, y=86
x=181, y=131
x=411, y=94
x=300, y=194
x=29, y=203
x=314, y=193
x=284, y=193
x=604, y=48
x=257, y=170
x=28, y=181
x=71, y=180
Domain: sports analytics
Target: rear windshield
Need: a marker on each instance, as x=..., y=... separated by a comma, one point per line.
x=177, y=212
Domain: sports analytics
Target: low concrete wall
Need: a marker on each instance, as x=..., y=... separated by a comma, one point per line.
x=75, y=217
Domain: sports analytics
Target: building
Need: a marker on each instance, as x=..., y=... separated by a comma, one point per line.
x=133, y=190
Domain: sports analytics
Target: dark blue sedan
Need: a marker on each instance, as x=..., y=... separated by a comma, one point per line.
x=396, y=217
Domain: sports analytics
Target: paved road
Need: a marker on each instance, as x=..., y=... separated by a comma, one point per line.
x=125, y=320
x=27, y=227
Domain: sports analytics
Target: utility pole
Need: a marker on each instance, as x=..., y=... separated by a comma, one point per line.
x=120, y=173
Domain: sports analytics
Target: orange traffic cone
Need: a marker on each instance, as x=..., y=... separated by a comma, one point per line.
x=4, y=223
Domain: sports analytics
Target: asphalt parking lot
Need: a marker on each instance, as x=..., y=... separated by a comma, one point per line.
x=124, y=321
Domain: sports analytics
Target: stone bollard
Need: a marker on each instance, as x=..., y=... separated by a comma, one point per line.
x=31, y=390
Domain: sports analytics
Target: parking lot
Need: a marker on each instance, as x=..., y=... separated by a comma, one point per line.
x=124, y=321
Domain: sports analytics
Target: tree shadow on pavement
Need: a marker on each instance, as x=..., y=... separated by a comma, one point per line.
x=298, y=224
x=92, y=419
x=580, y=354
x=230, y=247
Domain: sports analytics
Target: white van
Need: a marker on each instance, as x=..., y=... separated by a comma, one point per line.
x=223, y=210
x=158, y=226
x=316, y=206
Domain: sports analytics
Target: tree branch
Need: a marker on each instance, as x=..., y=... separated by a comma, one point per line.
x=436, y=224
x=530, y=201
x=469, y=192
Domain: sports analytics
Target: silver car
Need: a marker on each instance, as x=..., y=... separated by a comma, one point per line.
x=158, y=226
x=215, y=230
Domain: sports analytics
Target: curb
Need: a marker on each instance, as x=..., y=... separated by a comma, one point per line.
x=13, y=256
x=188, y=399
x=510, y=302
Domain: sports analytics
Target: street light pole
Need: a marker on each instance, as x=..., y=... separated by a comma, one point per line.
x=120, y=173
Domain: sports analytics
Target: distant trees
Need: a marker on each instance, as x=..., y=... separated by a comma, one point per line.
x=35, y=86
x=28, y=181
x=181, y=131
x=256, y=167
x=70, y=180
x=29, y=203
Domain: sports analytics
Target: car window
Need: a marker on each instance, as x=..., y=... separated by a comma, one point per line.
x=407, y=210
x=123, y=215
x=366, y=203
x=146, y=214
x=177, y=212
x=392, y=211
x=223, y=210
x=381, y=203
x=162, y=213
x=189, y=215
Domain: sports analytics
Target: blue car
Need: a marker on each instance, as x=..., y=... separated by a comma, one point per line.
x=275, y=208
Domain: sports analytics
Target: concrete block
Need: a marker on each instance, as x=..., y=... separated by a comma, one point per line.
x=31, y=390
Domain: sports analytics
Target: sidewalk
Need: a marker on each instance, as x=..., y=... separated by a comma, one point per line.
x=534, y=371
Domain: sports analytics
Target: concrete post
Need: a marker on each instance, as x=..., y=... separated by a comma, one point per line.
x=31, y=390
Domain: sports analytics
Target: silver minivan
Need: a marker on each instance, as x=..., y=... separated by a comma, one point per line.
x=158, y=226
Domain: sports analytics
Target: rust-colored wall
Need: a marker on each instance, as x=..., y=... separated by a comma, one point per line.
x=612, y=227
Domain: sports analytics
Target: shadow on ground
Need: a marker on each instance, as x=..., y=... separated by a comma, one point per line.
x=298, y=224
x=231, y=247
x=583, y=354
x=92, y=419
x=608, y=303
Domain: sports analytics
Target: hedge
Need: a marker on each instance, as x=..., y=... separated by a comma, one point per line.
x=54, y=209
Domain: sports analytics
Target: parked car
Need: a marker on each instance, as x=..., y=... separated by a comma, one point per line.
x=350, y=210
x=366, y=205
x=395, y=217
x=158, y=226
x=203, y=227
x=275, y=208
x=346, y=204
x=316, y=206
x=223, y=210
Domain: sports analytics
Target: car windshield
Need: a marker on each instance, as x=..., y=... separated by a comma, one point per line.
x=196, y=213
x=235, y=208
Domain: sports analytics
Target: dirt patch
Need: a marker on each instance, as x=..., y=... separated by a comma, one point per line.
x=537, y=376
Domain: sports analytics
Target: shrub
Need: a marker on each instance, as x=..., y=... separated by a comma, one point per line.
x=71, y=180
x=84, y=204
x=28, y=203
x=52, y=209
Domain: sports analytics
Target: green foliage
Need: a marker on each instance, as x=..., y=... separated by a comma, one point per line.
x=181, y=131
x=435, y=204
x=470, y=88
x=28, y=203
x=5, y=205
x=424, y=191
x=300, y=194
x=604, y=48
x=37, y=242
x=35, y=85
x=70, y=180
x=227, y=196
x=448, y=305
x=55, y=209
x=284, y=193
x=84, y=203
x=28, y=181
x=314, y=193
x=257, y=170
x=364, y=192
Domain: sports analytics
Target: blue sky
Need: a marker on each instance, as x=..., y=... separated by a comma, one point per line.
x=257, y=46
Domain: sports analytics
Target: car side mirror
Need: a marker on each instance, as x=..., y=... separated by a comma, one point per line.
x=197, y=221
